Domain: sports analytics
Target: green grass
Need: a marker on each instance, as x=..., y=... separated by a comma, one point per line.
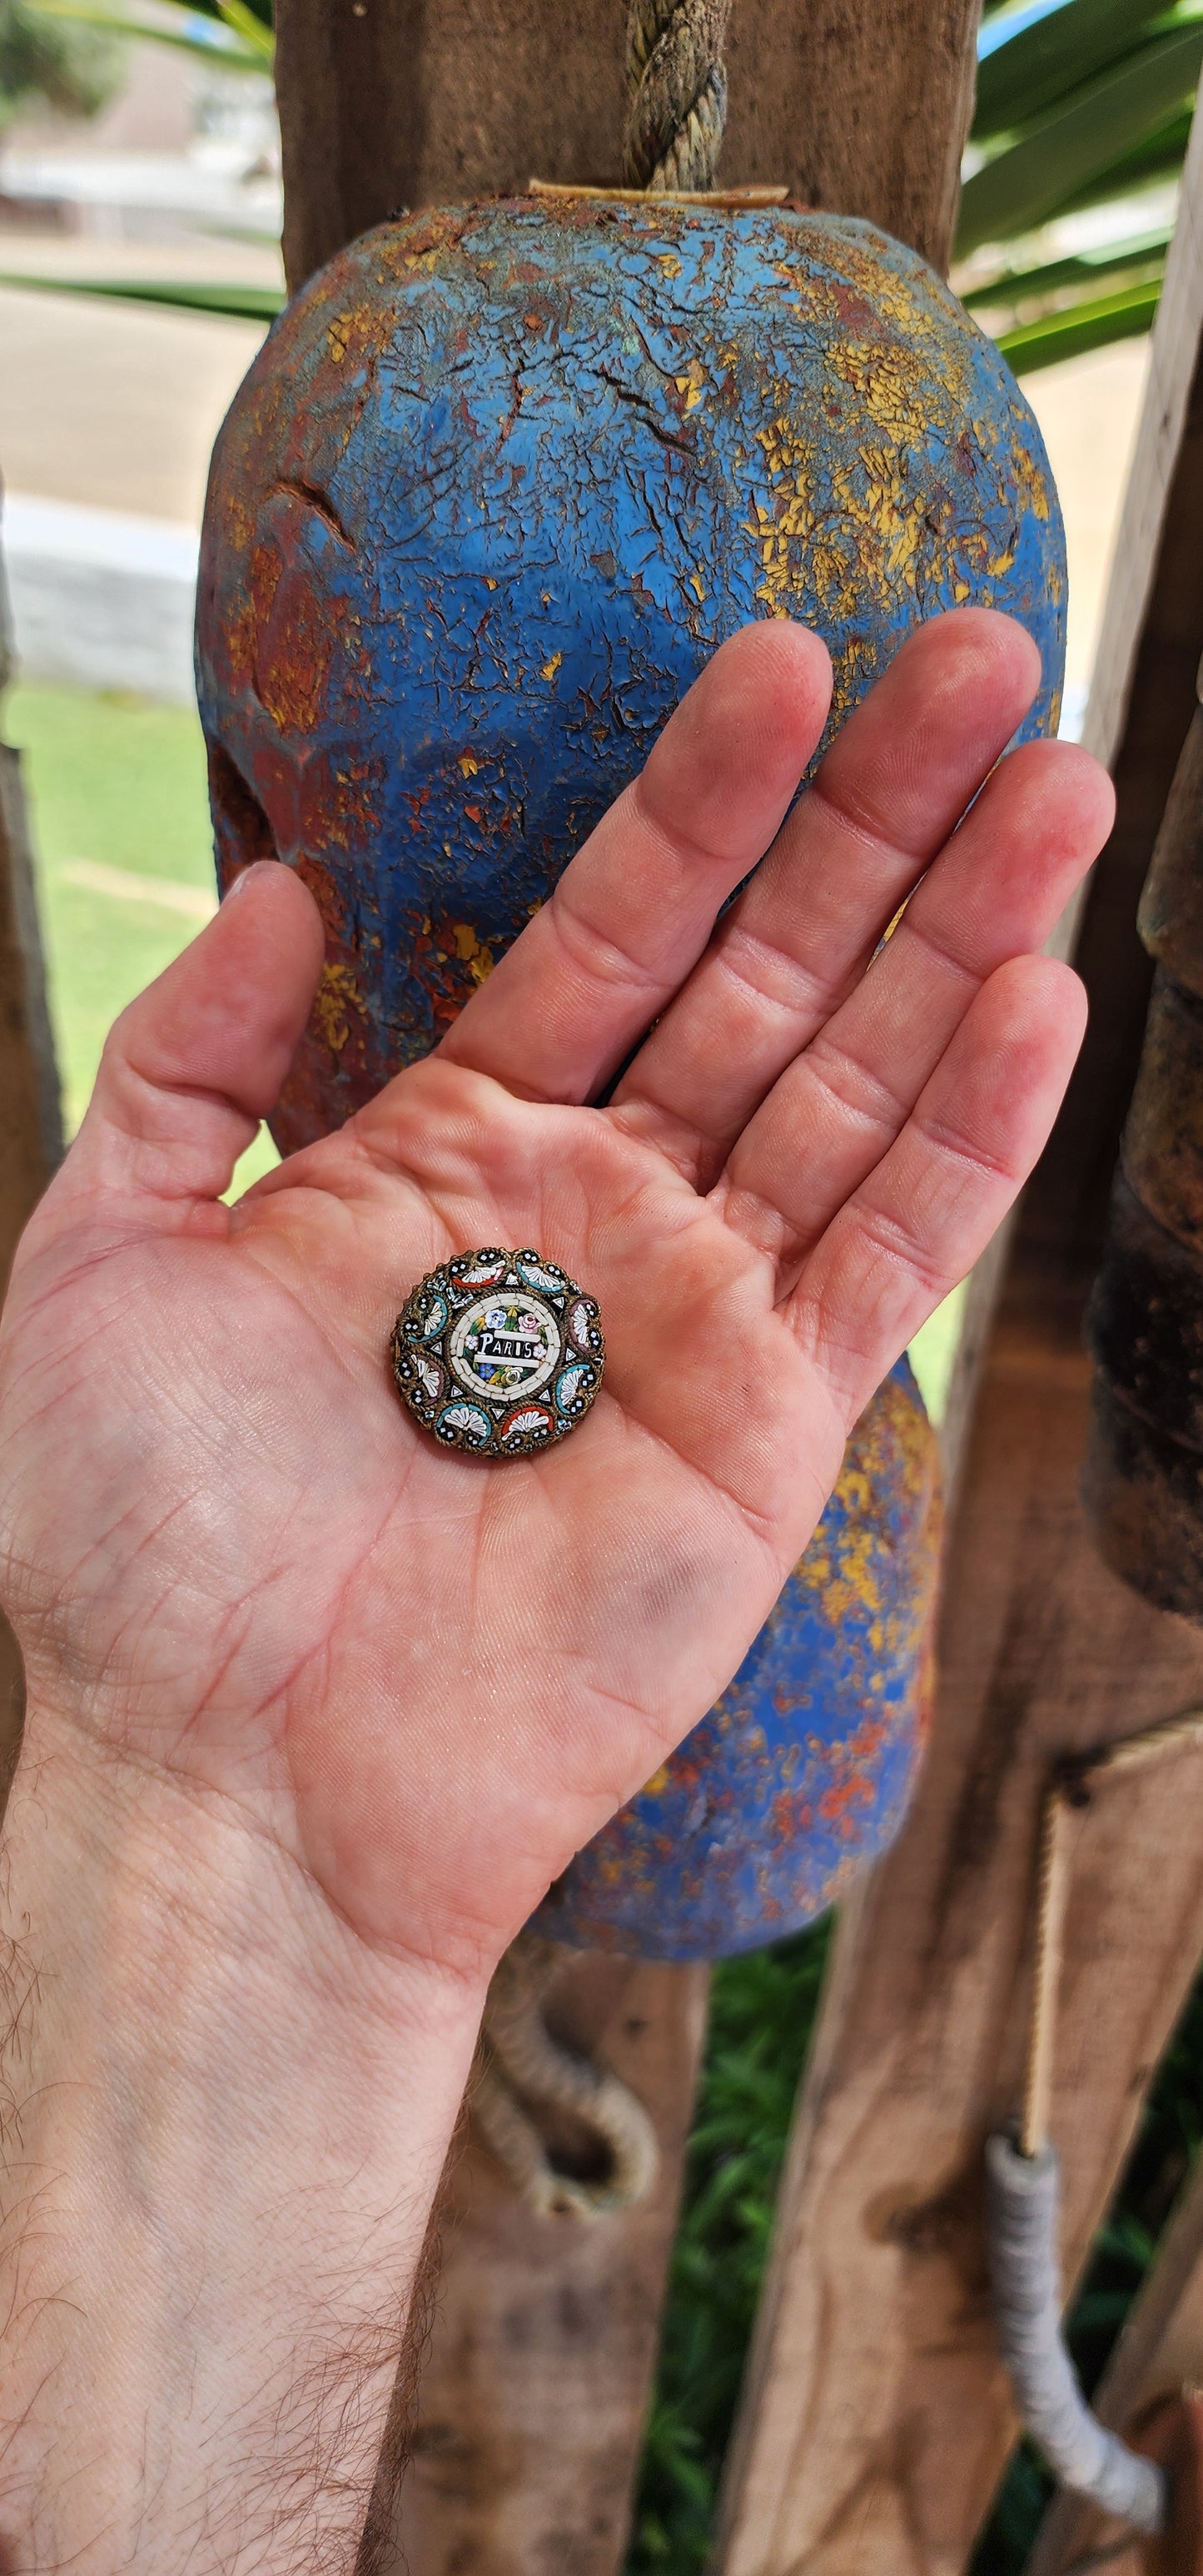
x=112, y=781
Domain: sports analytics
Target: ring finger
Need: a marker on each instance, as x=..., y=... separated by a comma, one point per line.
x=993, y=895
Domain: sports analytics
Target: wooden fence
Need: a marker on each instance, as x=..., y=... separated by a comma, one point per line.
x=875, y=2419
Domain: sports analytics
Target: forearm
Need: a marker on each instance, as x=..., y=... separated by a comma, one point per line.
x=224, y=2126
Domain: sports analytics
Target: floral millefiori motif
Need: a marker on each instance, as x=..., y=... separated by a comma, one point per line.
x=498, y=1353
x=508, y=1345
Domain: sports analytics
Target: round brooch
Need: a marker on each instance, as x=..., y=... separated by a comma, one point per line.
x=498, y=1353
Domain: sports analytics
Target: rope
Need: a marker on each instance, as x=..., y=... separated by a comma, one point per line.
x=1070, y=1787
x=678, y=92
x=1052, y=1897
x=520, y=2066
x=1023, y=2178
x=1022, y=2213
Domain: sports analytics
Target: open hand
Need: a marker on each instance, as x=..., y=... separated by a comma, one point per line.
x=234, y=1560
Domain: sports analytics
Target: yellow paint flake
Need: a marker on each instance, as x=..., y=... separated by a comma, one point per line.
x=691, y=383
x=337, y=337
x=550, y=668
x=467, y=764
x=1029, y=481
x=337, y=994
x=472, y=951
x=698, y=587
x=489, y=585
x=668, y=263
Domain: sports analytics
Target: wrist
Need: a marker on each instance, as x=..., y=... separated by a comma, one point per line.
x=226, y=2121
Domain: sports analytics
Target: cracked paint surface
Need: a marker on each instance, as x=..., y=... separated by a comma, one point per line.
x=802, y=1770
x=499, y=482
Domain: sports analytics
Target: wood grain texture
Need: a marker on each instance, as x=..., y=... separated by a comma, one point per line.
x=1151, y=615
x=876, y=2419
x=388, y=103
x=536, y=2384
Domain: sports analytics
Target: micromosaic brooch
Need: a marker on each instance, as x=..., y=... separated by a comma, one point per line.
x=498, y=1353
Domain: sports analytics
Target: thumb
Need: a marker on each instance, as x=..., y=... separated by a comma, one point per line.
x=200, y=1057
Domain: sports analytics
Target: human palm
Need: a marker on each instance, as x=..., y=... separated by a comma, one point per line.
x=234, y=1558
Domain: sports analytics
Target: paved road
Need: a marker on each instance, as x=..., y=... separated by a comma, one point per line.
x=115, y=405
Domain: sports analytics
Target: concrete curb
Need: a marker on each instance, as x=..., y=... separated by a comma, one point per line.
x=101, y=598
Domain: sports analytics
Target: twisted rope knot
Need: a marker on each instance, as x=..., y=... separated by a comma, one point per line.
x=521, y=2069
x=678, y=93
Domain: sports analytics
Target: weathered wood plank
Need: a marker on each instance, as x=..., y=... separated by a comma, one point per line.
x=385, y=103
x=536, y=2387
x=875, y=2419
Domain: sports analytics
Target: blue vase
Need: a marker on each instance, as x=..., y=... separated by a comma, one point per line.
x=500, y=480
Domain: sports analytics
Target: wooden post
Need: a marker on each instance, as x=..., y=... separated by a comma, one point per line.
x=388, y=103
x=30, y=1126
x=876, y=2419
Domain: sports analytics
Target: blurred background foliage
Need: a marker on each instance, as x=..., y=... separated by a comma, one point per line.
x=45, y=62
x=1083, y=111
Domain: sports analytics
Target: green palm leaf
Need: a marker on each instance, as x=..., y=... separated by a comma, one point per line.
x=1086, y=270
x=252, y=29
x=1158, y=157
x=1084, y=326
x=1088, y=134
x=244, y=303
x=1022, y=75
x=231, y=35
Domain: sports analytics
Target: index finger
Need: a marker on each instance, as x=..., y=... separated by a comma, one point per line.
x=633, y=912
